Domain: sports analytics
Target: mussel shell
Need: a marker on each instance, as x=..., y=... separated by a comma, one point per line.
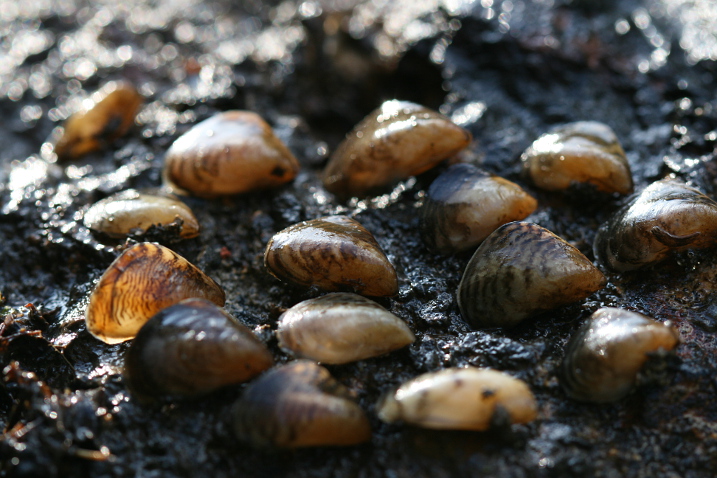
x=122, y=213
x=465, y=204
x=520, y=270
x=580, y=152
x=459, y=399
x=668, y=216
x=192, y=348
x=340, y=328
x=603, y=358
x=334, y=253
x=398, y=140
x=145, y=279
x=299, y=405
x=230, y=153
x=111, y=114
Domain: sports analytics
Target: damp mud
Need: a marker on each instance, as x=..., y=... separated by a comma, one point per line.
x=506, y=70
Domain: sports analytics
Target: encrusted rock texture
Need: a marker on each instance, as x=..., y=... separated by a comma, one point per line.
x=506, y=70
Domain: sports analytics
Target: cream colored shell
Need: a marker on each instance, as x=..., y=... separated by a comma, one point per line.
x=459, y=399
x=340, y=328
x=230, y=153
x=122, y=213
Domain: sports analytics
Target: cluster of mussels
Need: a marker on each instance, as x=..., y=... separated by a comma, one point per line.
x=173, y=311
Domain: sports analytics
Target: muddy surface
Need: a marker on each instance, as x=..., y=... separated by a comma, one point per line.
x=505, y=70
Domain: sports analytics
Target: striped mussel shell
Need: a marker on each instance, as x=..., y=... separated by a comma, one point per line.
x=520, y=270
x=230, y=153
x=394, y=142
x=666, y=217
x=190, y=349
x=334, y=253
x=143, y=280
x=299, y=405
x=603, y=359
x=465, y=204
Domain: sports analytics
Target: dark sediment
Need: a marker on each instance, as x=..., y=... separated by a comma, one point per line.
x=508, y=73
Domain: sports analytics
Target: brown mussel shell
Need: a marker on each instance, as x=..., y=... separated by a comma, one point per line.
x=190, y=349
x=130, y=211
x=580, y=152
x=334, y=253
x=465, y=204
x=666, y=217
x=395, y=141
x=110, y=115
x=460, y=399
x=521, y=270
x=604, y=357
x=230, y=153
x=340, y=328
x=299, y=405
x=145, y=279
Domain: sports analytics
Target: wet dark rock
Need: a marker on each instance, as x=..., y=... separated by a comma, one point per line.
x=507, y=73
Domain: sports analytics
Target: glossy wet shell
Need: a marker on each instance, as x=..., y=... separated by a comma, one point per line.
x=465, y=204
x=192, y=348
x=460, y=399
x=580, y=152
x=108, y=115
x=145, y=279
x=667, y=217
x=130, y=211
x=230, y=153
x=334, y=253
x=299, y=405
x=521, y=270
x=604, y=357
x=340, y=328
x=396, y=141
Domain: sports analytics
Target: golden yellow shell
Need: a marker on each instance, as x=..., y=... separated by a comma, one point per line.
x=109, y=116
x=145, y=279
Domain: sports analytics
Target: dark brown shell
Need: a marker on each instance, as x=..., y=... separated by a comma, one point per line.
x=334, y=253
x=110, y=116
x=667, y=217
x=395, y=141
x=603, y=358
x=520, y=270
x=192, y=348
x=465, y=204
x=145, y=279
x=299, y=405
x=230, y=153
